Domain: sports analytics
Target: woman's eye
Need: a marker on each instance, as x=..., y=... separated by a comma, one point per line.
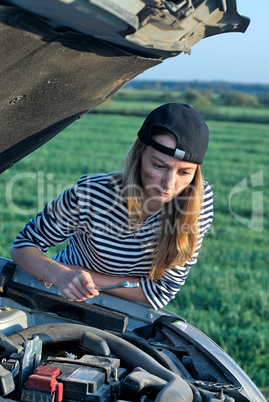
x=184, y=172
x=158, y=166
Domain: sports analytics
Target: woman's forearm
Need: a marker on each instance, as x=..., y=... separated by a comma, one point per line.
x=135, y=294
x=75, y=282
x=33, y=261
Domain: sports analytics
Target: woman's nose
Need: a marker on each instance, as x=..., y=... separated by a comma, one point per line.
x=169, y=180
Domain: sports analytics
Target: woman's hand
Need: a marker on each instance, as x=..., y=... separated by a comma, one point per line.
x=74, y=282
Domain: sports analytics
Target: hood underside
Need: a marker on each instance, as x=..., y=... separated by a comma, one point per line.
x=57, y=64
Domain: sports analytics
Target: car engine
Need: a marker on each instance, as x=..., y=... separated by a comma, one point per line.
x=104, y=349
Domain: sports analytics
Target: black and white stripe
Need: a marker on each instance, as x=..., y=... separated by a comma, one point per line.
x=93, y=216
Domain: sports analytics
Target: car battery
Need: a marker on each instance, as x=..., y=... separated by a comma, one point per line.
x=90, y=378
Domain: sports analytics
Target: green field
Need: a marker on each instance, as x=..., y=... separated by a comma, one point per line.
x=226, y=294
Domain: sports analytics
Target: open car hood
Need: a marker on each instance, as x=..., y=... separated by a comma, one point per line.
x=60, y=59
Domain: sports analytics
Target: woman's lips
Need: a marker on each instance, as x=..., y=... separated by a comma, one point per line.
x=165, y=193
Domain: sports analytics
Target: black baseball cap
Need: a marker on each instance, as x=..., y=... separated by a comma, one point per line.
x=187, y=125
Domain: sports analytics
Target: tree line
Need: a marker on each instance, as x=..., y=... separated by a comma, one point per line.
x=215, y=86
x=198, y=97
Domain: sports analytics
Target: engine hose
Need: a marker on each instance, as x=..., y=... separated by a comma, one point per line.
x=196, y=394
x=176, y=390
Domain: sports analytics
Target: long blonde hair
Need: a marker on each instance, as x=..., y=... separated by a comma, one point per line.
x=178, y=235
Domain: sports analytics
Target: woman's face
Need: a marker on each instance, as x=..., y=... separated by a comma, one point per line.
x=163, y=177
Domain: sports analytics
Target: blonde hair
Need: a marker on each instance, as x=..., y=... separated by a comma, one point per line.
x=178, y=235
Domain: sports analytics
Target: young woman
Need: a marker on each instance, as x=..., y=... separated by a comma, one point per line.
x=143, y=225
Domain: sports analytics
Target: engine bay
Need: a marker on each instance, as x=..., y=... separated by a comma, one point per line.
x=54, y=349
x=74, y=362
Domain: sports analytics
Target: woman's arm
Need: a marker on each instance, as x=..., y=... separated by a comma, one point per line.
x=76, y=283
x=135, y=294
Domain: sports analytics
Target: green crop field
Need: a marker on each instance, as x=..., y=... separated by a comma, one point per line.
x=226, y=294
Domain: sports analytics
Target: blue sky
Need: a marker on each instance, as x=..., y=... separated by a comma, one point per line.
x=233, y=57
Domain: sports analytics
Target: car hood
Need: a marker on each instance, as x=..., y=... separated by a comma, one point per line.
x=60, y=59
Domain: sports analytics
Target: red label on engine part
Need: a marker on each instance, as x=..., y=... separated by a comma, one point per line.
x=48, y=371
x=41, y=382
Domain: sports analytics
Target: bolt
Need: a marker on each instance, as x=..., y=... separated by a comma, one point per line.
x=17, y=99
x=220, y=395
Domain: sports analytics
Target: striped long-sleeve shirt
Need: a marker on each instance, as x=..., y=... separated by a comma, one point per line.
x=93, y=216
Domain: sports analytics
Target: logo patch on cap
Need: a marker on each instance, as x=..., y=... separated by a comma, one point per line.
x=179, y=154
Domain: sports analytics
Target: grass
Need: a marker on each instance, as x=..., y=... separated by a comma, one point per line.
x=226, y=294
